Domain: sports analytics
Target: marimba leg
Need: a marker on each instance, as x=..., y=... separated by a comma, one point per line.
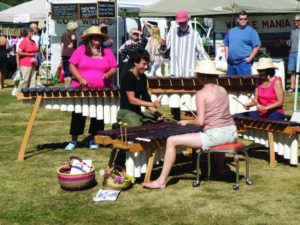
x=150, y=166
x=272, y=152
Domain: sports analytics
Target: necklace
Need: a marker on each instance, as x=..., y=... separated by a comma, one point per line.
x=96, y=53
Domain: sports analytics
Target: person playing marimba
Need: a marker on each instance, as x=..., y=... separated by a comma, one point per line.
x=268, y=97
x=92, y=66
x=212, y=113
x=134, y=93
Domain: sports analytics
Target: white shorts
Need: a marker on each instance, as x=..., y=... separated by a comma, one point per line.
x=218, y=136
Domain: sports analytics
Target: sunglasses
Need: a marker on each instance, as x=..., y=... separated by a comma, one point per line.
x=243, y=19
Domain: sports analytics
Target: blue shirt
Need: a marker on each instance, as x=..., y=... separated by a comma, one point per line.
x=240, y=42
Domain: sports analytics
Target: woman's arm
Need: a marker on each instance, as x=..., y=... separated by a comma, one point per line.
x=22, y=53
x=111, y=73
x=254, y=101
x=200, y=120
x=74, y=71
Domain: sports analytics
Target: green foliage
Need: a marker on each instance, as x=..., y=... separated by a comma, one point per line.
x=14, y=2
x=30, y=193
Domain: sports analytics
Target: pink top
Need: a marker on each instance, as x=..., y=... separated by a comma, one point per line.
x=217, y=108
x=267, y=96
x=93, y=69
x=27, y=47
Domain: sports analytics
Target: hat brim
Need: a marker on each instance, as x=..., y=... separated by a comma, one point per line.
x=265, y=68
x=181, y=20
x=211, y=72
x=86, y=36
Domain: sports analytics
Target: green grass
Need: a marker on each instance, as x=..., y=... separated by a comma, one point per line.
x=30, y=193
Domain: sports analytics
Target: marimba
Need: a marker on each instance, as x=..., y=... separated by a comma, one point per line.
x=174, y=91
x=144, y=145
x=102, y=104
x=280, y=137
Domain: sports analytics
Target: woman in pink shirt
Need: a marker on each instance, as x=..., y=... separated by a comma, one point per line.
x=268, y=97
x=93, y=67
x=27, y=60
x=213, y=114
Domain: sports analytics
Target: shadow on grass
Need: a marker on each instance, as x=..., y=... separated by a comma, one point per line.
x=48, y=147
x=185, y=169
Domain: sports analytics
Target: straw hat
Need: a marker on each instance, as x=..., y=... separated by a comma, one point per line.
x=207, y=66
x=265, y=63
x=72, y=25
x=93, y=31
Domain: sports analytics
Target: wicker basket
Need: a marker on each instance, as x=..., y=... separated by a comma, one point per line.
x=110, y=183
x=75, y=182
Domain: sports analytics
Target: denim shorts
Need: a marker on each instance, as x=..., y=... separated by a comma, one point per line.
x=292, y=62
x=218, y=136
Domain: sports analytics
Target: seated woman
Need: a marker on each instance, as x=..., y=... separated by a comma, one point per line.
x=218, y=124
x=134, y=93
x=92, y=66
x=268, y=97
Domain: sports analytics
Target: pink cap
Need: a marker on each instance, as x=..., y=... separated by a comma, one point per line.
x=181, y=16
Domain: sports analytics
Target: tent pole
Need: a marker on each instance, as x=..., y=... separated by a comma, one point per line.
x=297, y=77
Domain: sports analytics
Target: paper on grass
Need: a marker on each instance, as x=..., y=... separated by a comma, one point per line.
x=106, y=195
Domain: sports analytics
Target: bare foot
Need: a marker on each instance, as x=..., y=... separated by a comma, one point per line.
x=154, y=185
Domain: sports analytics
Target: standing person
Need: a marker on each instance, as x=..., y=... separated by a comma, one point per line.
x=104, y=29
x=129, y=47
x=134, y=93
x=40, y=54
x=27, y=51
x=68, y=45
x=268, y=96
x=242, y=43
x=4, y=47
x=293, y=42
x=218, y=125
x=185, y=45
x=152, y=47
x=92, y=66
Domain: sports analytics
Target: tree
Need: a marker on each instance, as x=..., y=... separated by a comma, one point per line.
x=14, y=2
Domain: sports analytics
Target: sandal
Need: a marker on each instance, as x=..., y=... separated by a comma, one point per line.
x=291, y=90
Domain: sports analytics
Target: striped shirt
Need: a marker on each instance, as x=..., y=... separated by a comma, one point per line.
x=185, y=49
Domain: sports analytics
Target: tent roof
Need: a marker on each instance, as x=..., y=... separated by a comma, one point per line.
x=36, y=9
x=4, y=6
x=219, y=7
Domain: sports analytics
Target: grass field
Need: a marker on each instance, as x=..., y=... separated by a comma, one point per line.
x=30, y=193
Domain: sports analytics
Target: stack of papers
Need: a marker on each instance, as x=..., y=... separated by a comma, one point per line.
x=106, y=195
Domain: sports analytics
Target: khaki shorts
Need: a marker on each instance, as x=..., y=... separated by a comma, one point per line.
x=218, y=136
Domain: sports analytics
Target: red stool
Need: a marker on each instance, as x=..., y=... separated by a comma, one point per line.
x=233, y=148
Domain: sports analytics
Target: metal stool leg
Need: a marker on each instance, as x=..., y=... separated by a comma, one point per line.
x=248, y=180
x=209, y=165
x=196, y=183
x=236, y=186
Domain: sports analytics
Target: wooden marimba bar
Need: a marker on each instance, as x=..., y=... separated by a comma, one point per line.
x=102, y=104
x=280, y=137
x=144, y=145
x=175, y=91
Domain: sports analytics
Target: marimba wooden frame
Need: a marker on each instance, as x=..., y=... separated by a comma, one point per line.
x=271, y=129
x=37, y=97
x=118, y=145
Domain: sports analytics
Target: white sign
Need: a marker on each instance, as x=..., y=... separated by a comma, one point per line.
x=21, y=18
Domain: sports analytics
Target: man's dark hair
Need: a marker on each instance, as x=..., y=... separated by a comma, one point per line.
x=242, y=13
x=137, y=56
